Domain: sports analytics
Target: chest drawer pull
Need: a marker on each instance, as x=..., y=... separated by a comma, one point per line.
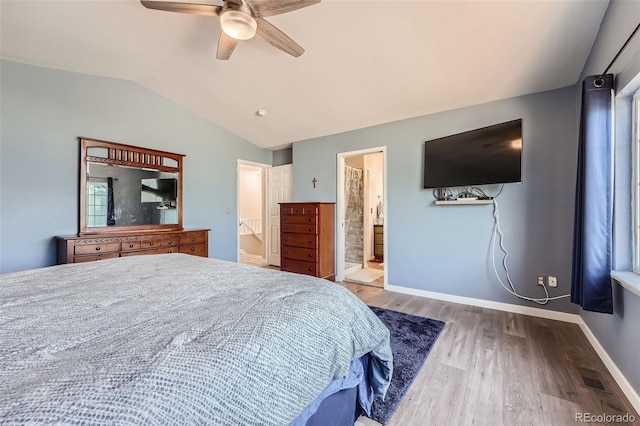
x=193, y=249
x=170, y=242
x=170, y=251
x=151, y=243
x=97, y=248
x=193, y=239
x=131, y=245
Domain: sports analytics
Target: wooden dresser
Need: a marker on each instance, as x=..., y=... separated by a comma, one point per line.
x=307, y=239
x=74, y=249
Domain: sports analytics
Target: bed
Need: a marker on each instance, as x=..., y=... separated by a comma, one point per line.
x=179, y=339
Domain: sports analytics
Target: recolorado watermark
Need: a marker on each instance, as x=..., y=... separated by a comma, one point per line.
x=605, y=418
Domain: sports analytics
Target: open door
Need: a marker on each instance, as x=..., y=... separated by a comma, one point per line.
x=360, y=215
x=280, y=189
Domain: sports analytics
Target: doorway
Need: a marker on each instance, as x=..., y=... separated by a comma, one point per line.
x=361, y=217
x=251, y=213
x=260, y=189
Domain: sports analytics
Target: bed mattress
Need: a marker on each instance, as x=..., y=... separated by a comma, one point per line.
x=177, y=339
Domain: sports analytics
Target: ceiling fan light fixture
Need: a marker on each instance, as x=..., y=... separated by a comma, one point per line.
x=238, y=25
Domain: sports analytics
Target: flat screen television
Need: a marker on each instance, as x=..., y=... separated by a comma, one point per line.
x=156, y=190
x=488, y=155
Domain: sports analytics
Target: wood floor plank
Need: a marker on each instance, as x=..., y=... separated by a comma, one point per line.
x=520, y=394
x=483, y=381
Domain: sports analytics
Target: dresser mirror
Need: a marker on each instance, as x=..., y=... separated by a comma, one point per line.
x=126, y=188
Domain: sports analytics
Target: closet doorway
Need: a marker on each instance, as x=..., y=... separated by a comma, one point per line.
x=361, y=212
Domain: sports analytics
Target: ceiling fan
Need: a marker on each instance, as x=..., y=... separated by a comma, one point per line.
x=242, y=20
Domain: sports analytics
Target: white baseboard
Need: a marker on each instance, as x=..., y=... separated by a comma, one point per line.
x=622, y=381
x=499, y=306
x=617, y=375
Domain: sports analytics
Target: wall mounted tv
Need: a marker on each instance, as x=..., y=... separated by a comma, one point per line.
x=483, y=156
x=156, y=190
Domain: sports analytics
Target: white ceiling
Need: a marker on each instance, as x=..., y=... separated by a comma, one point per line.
x=366, y=62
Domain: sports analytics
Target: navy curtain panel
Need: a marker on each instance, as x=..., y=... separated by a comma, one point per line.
x=111, y=218
x=592, y=237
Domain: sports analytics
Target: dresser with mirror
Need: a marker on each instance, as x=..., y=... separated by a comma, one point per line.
x=130, y=204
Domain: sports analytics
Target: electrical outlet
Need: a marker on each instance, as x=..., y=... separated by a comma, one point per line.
x=541, y=280
x=553, y=281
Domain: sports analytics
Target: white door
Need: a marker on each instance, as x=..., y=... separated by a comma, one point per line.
x=280, y=189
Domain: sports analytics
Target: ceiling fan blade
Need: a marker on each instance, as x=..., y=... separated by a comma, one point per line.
x=277, y=38
x=226, y=44
x=196, y=9
x=276, y=7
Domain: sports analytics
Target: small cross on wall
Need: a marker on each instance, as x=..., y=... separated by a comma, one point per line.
x=314, y=181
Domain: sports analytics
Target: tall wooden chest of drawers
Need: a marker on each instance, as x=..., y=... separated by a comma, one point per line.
x=307, y=239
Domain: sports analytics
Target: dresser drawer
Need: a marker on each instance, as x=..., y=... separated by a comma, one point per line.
x=289, y=218
x=298, y=266
x=298, y=228
x=298, y=209
x=192, y=238
x=91, y=258
x=97, y=248
x=299, y=253
x=299, y=240
x=150, y=244
x=170, y=241
x=194, y=249
x=161, y=250
x=130, y=245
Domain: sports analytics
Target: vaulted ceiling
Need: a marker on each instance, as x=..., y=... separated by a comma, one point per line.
x=366, y=62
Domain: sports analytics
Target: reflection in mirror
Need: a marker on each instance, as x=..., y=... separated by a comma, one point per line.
x=120, y=196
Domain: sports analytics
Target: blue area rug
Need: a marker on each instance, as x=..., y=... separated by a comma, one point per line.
x=411, y=340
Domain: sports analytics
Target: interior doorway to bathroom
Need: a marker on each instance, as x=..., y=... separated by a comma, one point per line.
x=361, y=211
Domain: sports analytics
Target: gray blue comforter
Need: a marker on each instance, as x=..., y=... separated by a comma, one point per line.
x=176, y=339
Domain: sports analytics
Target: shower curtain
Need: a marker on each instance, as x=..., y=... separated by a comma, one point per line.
x=354, y=214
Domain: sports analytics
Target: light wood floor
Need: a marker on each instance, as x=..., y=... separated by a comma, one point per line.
x=498, y=368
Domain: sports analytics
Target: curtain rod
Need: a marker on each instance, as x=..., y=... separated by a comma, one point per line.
x=598, y=82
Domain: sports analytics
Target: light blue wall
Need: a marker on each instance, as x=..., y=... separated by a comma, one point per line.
x=445, y=249
x=43, y=111
x=619, y=333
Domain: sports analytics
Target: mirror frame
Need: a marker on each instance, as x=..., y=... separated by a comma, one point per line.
x=130, y=156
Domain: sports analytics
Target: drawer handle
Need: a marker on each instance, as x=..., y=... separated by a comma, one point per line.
x=310, y=269
x=151, y=243
x=170, y=251
x=310, y=241
x=286, y=265
x=193, y=249
x=310, y=255
x=97, y=248
x=193, y=239
x=310, y=219
x=170, y=242
x=310, y=229
x=130, y=245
